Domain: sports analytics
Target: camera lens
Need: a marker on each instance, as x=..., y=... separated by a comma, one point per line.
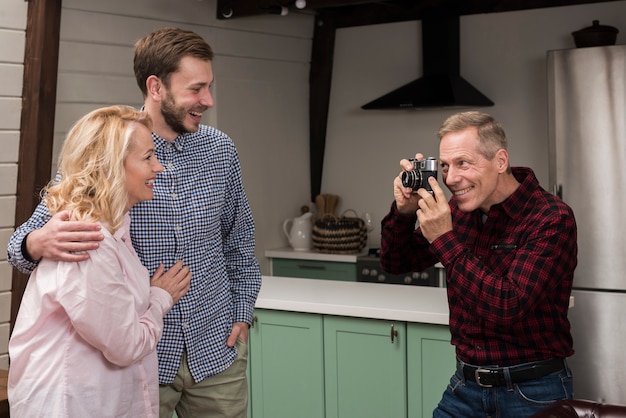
x=412, y=179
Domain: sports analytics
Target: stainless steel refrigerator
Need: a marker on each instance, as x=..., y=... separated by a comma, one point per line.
x=587, y=120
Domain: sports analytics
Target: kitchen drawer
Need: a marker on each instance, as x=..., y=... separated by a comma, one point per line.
x=314, y=269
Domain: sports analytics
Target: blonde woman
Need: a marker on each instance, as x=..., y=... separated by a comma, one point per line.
x=85, y=336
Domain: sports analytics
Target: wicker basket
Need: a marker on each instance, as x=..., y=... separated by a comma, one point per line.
x=343, y=235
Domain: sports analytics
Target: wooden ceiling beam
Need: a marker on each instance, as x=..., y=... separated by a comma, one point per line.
x=368, y=12
x=399, y=11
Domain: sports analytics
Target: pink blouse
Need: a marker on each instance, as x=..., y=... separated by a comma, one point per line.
x=84, y=340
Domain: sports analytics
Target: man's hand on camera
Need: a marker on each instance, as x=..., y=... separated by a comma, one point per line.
x=434, y=214
x=406, y=199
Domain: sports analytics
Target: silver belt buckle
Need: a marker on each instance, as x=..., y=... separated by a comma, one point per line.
x=477, y=377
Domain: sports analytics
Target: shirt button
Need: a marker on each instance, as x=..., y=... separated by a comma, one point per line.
x=170, y=166
x=478, y=347
x=185, y=325
x=174, y=195
x=177, y=228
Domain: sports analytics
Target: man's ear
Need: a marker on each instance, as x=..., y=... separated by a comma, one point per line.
x=154, y=87
x=502, y=159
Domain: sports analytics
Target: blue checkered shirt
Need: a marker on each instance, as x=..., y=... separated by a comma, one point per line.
x=200, y=214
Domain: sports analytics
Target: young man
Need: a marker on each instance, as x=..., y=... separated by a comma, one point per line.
x=509, y=250
x=200, y=214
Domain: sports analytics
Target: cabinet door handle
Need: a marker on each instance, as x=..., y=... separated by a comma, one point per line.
x=254, y=319
x=394, y=334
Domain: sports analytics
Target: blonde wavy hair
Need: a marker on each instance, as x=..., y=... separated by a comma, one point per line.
x=92, y=180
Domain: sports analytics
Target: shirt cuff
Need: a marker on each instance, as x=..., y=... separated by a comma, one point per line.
x=403, y=218
x=18, y=256
x=24, y=250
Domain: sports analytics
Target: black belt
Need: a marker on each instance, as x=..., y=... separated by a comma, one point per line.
x=495, y=376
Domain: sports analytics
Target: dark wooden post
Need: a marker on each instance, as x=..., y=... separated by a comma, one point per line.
x=41, y=58
x=319, y=96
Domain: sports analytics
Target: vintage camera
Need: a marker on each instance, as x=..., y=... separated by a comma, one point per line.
x=418, y=177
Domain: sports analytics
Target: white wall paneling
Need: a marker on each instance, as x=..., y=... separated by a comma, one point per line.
x=12, y=40
x=9, y=144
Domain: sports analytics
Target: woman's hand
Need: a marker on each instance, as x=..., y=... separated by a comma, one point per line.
x=175, y=281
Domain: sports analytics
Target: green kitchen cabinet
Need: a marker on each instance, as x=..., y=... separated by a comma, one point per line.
x=314, y=269
x=309, y=365
x=286, y=365
x=430, y=364
x=365, y=368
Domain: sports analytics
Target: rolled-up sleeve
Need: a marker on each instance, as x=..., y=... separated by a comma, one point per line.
x=15, y=253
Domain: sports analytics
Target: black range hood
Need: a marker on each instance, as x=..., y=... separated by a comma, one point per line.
x=441, y=84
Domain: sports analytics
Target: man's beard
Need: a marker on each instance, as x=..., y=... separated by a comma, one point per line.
x=174, y=116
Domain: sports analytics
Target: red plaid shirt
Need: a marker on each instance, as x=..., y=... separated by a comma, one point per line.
x=508, y=280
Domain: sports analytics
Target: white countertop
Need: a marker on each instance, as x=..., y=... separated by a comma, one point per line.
x=358, y=299
x=313, y=254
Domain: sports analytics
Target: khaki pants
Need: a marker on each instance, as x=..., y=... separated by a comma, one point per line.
x=221, y=396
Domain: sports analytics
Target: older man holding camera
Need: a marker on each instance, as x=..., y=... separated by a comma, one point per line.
x=509, y=250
